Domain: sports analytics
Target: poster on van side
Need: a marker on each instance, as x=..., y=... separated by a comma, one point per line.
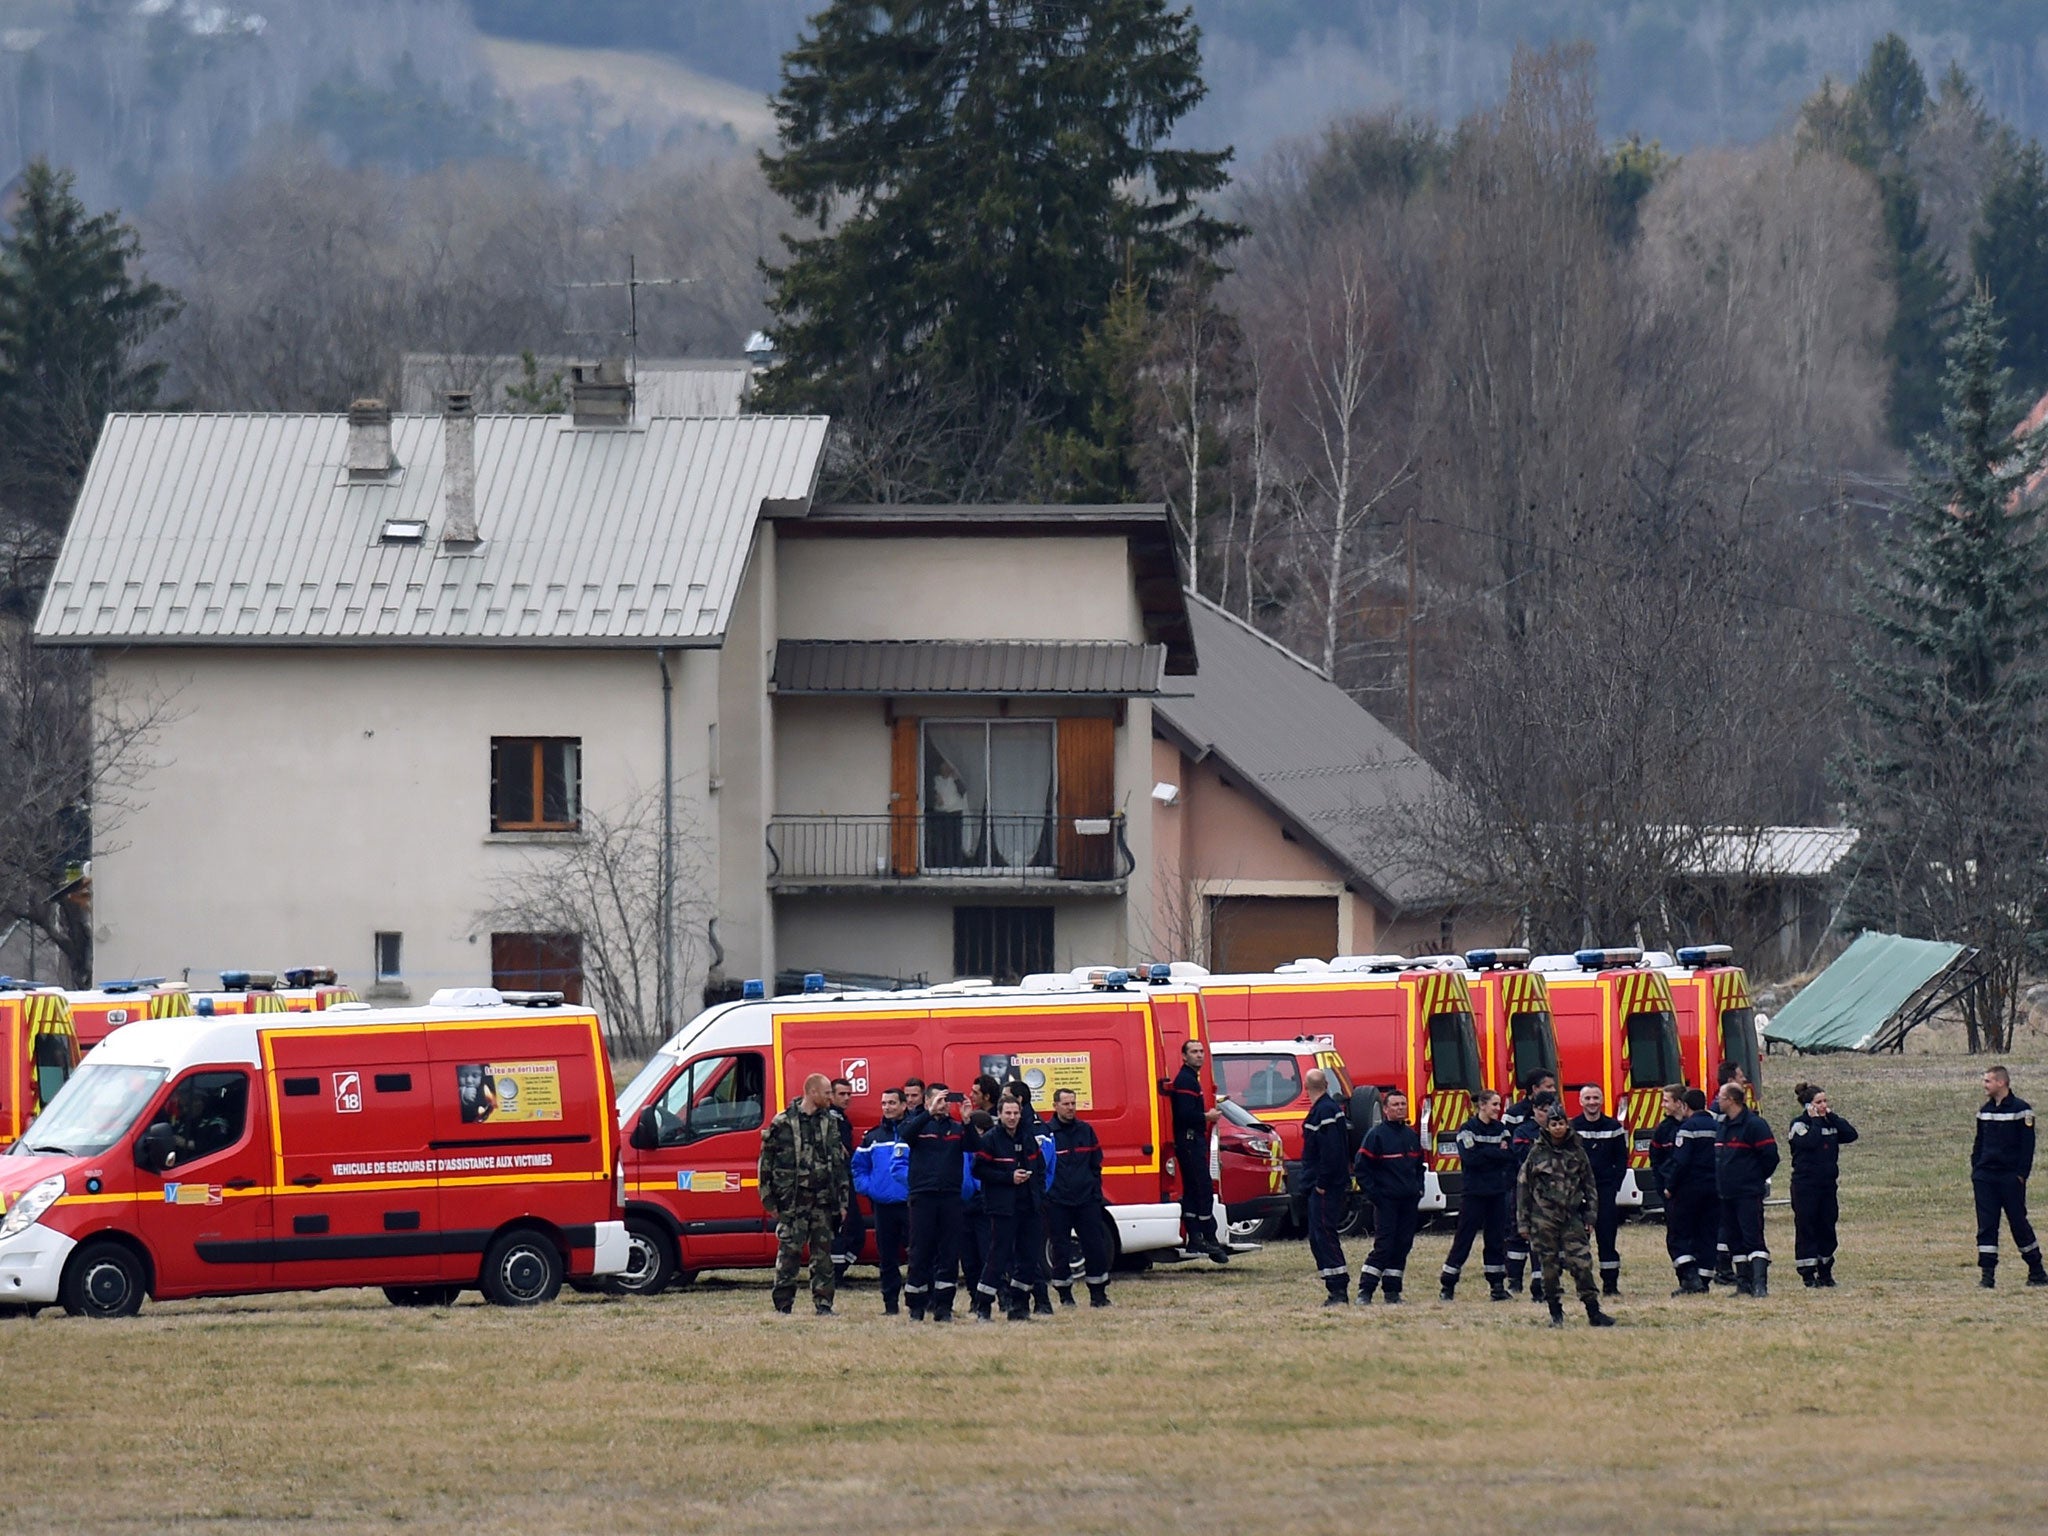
x=508, y=1092
x=1046, y=1072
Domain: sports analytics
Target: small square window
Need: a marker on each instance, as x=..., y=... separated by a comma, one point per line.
x=536, y=783
x=389, y=946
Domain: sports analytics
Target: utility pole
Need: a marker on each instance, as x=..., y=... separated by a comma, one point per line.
x=1414, y=735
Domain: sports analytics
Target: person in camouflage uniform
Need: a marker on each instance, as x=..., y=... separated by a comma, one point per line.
x=1554, y=1198
x=806, y=1182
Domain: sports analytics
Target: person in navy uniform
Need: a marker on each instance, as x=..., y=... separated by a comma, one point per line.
x=1326, y=1174
x=1606, y=1141
x=1390, y=1170
x=1011, y=1167
x=1192, y=1117
x=939, y=1146
x=1692, y=1199
x=1488, y=1164
x=1745, y=1157
x=1074, y=1205
x=1520, y=1119
x=1816, y=1137
x=2000, y=1160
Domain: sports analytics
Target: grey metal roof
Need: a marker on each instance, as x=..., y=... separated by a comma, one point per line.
x=244, y=529
x=1770, y=853
x=662, y=386
x=1293, y=738
x=1107, y=668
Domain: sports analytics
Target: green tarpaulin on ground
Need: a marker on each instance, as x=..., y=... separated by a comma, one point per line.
x=1845, y=1007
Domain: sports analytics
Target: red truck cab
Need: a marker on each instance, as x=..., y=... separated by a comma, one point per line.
x=38, y=1053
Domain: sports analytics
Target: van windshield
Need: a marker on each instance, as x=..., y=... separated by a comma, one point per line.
x=92, y=1111
x=1738, y=1039
x=634, y=1095
x=1260, y=1082
x=1653, y=1058
x=1532, y=1044
x=1454, y=1049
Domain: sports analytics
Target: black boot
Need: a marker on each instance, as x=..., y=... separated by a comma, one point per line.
x=1391, y=1284
x=984, y=1305
x=942, y=1305
x=889, y=1307
x=1367, y=1284
x=1988, y=1276
x=1685, y=1273
x=824, y=1308
x=1216, y=1251
x=1536, y=1286
x=917, y=1309
x=1759, y=1277
x=1595, y=1317
x=1515, y=1275
x=1098, y=1295
x=1809, y=1275
x=1497, y=1288
x=1556, y=1314
x=1020, y=1306
x=1827, y=1275
x=1339, y=1288
x=1041, y=1301
x=1066, y=1295
x=1742, y=1287
x=2036, y=1275
x=1447, y=1286
x=784, y=1303
x=1724, y=1270
x=1610, y=1283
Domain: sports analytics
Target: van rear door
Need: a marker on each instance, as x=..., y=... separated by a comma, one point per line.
x=358, y=1201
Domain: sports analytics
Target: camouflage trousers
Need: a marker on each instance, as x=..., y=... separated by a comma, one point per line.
x=1559, y=1246
x=811, y=1227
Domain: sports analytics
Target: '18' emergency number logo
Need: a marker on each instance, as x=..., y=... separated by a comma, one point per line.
x=348, y=1093
x=855, y=1070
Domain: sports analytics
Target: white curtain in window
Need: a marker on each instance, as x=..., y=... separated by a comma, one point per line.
x=1020, y=771
x=955, y=794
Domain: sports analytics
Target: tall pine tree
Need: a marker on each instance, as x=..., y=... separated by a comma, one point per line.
x=1944, y=777
x=2010, y=253
x=73, y=315
x=984, y=180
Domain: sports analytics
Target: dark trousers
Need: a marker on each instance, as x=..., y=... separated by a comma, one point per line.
x=851, y=1237
x=1011, y=1258
x=1325, y=1246
x=1394, y=1223
x=1606, y=1225
x=1090, y=1225
x=892, y=1234
x=2003, y=1194
x=1742, y=1230
x=1692, y=1220
x=1484, y=1217
x=973, y=1247
x=1197, y=1195
x=935, y=1226
x=1815, y=1210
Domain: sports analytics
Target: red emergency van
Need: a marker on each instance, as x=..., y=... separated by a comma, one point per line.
x=37, y=1052
x=1268, y=1079
x=1395, y=1025
x=1716, y=1020
x=424, y=1150
x=693, y=1117
x=1615, y=1028
x=98, y=1013
x=1251, y=1178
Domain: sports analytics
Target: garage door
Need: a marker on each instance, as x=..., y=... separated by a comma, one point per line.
x=1259, y=933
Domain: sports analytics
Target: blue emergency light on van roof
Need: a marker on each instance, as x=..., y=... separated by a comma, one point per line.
x=1159, y=972
x=1608, y=959
x=131, y=984
x=1695, y=956
x=752, y=991
x=203, y=1007
x=814, y=981
x=1496, y=959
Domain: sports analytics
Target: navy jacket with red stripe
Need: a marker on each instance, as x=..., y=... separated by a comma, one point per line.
x=1390, y=1163
x=1745, y=1156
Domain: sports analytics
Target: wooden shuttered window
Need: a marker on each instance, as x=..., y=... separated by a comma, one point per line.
x=1087, y=792
x=903, y=773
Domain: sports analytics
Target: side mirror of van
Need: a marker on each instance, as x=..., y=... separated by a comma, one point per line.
x=155, y=1149
x=646, y=1131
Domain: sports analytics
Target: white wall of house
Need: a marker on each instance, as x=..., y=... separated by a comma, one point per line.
x=297, y=802
x=898, y=933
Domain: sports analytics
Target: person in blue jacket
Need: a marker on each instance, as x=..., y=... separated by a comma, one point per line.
x=1692, y=1200
x=1745, y=1157
x=1487, y=1163
x=1326, y=1174
x=881, y=1171
x=1390, y=1169
x=2001, y=1159
x=939, y=1148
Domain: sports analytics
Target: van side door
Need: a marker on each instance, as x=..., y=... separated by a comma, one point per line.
x=205, y=1209
x=708, y=1118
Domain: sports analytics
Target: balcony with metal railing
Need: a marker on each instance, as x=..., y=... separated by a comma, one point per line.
x=965, y=850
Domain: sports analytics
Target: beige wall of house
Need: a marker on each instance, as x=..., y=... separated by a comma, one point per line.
x=294, y=803
x=907, y=934
x=958, y=589
x=744, y=738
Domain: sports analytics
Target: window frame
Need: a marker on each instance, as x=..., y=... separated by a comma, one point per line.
x=506, y=751
x=988, y=865
x=701, y=1086
x=397, y=970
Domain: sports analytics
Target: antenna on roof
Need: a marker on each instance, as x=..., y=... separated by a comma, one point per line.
x=633, y=284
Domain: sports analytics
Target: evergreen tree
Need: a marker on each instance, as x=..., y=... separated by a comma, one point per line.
x=73, y=314
x=1943, y=778
x=982, y=178
x=2010, y=254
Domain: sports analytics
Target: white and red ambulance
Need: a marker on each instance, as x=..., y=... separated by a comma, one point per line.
x=464, y=1145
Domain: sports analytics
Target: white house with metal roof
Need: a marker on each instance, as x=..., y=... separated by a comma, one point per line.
x=404, y=665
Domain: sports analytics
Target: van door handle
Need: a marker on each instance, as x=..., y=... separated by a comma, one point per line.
x=307, y=1180
x=241, y=1183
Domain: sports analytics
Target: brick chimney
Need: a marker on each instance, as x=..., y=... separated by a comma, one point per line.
x=369, y=442
x=458, y=469
x=599, y=395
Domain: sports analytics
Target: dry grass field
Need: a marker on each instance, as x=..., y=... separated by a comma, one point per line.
x=1206, y=1400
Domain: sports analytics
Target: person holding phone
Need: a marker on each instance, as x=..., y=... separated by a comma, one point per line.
x=1010, y=1166
x=939, y=1145
x=1816, y=1137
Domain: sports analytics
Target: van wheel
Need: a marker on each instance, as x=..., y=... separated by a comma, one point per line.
x=1357, y=1219
x=422, y=1295
x=650, y=1260
x=521, y=1269
x=103, y=1279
